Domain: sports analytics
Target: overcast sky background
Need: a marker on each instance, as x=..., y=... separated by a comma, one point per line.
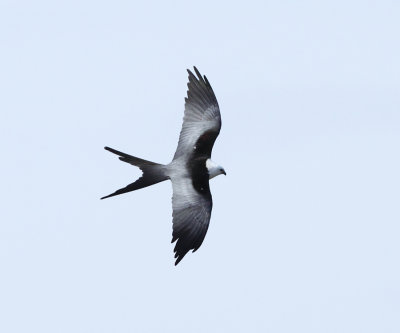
x=304, y=235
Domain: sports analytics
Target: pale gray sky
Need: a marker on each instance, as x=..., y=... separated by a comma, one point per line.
x=304, y=235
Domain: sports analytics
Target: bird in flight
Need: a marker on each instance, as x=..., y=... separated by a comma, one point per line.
x=190, y=169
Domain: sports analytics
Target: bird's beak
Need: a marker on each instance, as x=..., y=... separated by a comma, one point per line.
x=224, y=172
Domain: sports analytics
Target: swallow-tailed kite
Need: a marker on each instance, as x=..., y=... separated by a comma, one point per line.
x=190, y=169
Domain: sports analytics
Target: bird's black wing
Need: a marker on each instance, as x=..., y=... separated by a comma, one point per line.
x=202, y=118
x=191, y=214
x=192, y=201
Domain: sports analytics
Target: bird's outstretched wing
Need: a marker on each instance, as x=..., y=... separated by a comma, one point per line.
x=191, y=215
x=192, y=201
x=202, y=119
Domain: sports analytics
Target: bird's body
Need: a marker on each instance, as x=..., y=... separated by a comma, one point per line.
x=190, y=169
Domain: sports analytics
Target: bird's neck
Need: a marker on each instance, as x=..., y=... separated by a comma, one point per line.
x=212, y=168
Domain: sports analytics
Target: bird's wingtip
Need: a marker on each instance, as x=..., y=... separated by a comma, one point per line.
x=178, y=260
x=197, y=72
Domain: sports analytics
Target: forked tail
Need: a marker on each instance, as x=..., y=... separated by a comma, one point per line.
x=153, y=173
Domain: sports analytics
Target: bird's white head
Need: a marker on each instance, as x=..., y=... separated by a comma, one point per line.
x=214, y=169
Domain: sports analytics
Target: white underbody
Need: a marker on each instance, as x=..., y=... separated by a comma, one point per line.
x=177, y=169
